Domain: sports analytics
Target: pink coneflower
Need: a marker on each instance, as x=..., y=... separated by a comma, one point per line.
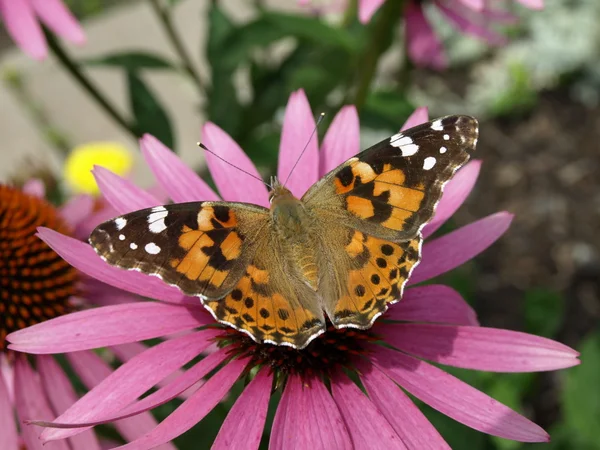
x=21, y=19
x=38, y=285
x=320, y=407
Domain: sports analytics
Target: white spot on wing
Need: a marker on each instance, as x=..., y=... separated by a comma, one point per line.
x=443, y=149
x=428, y=163
x=156, y=219
x=133, y=246
x=405, y=144
x=446, y=137
x=121, y=237
x=120, y=223
x=152, y=248
x=437, y=125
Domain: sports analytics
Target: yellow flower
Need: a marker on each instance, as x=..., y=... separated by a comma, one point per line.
x=82, y=159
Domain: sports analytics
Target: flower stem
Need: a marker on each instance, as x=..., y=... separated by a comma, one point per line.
x=381, y=35
x=164, y=15
x=74, y=68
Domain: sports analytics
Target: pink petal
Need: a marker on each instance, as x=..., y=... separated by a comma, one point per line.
x=35, y=187
x=479, y=348
x=423, y=46
x=122, y=194
x=59, y=19
x=23, y=27
x=409, y=422
x=453, y=249
x=100, y=294
x=307, y=417
x=433, y=303
x=61, y=395
x=233, y=184
x=342, y=140
x=366, y=9
x=455, y=193
x=419, y=116
x=179, y=181
x=85, y=228
x=31, y=404
x=93, y=370
x=296, y=134
x=357, y=410
x=192, y=410
x=125, y=352
x=455, y=398
x=532, y=4
x=8, y=426
x=77, y=209
x=461, y=18
x=189, y=378
x=130, y=380
x=244, y=424
x=109, y=325
x=84, y=258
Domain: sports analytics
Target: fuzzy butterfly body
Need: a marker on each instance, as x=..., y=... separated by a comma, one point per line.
x=344, y=251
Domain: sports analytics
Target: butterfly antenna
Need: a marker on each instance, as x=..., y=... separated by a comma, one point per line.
x=202, y=146
x=321, y=116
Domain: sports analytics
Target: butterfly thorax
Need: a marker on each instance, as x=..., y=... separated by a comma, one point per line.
x=294, y=228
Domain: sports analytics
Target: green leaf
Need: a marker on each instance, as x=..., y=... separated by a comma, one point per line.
x=386, y=109
x=150, y=116
x=581, y=396
x=543, y=311
x=219, y=31
x=271, y=27
x=132, y=61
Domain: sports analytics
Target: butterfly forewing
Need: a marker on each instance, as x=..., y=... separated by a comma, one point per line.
x=391, y=189
x=203, y=248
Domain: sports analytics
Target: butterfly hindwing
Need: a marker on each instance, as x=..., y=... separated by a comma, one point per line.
x=270, y=303
x=203, y=248
x=391, y=189
x=376, y=275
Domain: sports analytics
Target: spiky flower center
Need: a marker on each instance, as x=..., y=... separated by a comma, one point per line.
x=35, y=283
x=336, y=348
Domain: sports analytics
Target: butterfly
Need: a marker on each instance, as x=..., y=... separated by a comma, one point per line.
x=342, y=252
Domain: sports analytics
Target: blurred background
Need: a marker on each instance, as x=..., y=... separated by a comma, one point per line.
x=532, y=77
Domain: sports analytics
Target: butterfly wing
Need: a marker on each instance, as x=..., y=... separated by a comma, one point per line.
x=201, y=247
x=374, y=206
x=373, y=276
x=269, y=303
x=224, y=253
x=391, y=189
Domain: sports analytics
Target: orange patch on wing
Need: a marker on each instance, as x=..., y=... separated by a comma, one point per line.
x=231, y=247
x=213, y=275
x=360, y=207
x=364, y=171
x=258, y=275
x=206, y=213
x=392, y=176
x=195, y=239
x=355, y=247
x=397, y=219
x=340, y=188
x=401, y=196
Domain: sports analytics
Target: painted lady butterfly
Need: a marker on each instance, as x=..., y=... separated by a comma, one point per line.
x=343, y=251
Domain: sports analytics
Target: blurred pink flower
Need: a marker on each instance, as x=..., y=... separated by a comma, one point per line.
x=21, y=19
x=37, y=285
x=431, y=323
x=471, y=17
